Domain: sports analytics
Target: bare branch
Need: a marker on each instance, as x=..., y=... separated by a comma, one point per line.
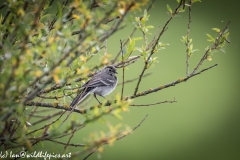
x=63, y=143
x=152, y=104
x=180, y=80
x=131, y=80
x=122, y=71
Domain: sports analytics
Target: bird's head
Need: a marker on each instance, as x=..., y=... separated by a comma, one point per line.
x=110, y=69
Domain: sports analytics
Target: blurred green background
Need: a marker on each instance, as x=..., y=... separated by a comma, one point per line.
x=204, y=123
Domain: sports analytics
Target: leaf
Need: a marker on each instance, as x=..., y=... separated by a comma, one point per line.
x=209, y=58
x=193, y=1
x=216, y=29
x=184, y=39
x=130, y=48
x=145, y=14
x=149, y=27
x=45, y=17
x=169, y=9
x=211, y=39
x=138, y=38
x=59, y=8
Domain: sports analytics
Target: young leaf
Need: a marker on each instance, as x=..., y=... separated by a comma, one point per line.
x=193, y=1
x=149, y=27
x=211, y=39
x=169, y=9
x=216, y=29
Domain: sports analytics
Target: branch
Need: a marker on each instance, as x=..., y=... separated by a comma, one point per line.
x=188, y=34
x=122, y=70
x=83, y=111
x=214, y=46
x=152, y=104
x=119, y=138
x=57, y=106
x=134, y=30
x=69, y=144
x=153, y=48
x=134, y=79
x=180, y=80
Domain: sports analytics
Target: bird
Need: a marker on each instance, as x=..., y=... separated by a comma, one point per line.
x=102, y=83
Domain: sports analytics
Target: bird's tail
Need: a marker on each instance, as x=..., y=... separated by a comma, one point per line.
x=80, y=97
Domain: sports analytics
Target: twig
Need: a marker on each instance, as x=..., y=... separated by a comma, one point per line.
x=119, y=138
x=188, y=34
x=152, y=104
x=180, y=80
x=45, y=118
x=214, y=46
x=46, y=124
x=69, y=144
x=131, y=80
x=122, y=70
x=57, y=106
x=130, y=60
x=153, y=48
x=134, y=30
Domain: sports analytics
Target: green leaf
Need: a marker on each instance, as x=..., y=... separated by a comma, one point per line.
x=59, y=8
x=184, y=39
x=216, y=29
x=193, y=1
x=138, y=38
x=45, y=17
x=169, y=9
x=130, y=48
x=178, y=1
x=211, y=39
x=149, y=27
x=145, y=14
x=181, y=10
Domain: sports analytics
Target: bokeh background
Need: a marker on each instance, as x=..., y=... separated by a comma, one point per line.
x=204, y=123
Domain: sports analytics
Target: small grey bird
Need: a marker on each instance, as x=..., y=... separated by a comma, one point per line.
x=102, y=83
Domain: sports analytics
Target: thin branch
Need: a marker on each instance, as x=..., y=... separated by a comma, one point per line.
x=57, y=106
x=47, y=125
x=45, y=118
x=68, y=142
x=214, y=46
x=63, y=143
x=153, y=48
x=134, y=30
x=180, y=80
x=122, y=70
x=188, y=34
x=119, y=138
x=132, y=80
x=130, y=60
x=152, y=104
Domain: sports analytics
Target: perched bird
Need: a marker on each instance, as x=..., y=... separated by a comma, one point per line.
x=102, y=83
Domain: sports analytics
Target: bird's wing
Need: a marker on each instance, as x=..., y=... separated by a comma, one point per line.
x=97, y=82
